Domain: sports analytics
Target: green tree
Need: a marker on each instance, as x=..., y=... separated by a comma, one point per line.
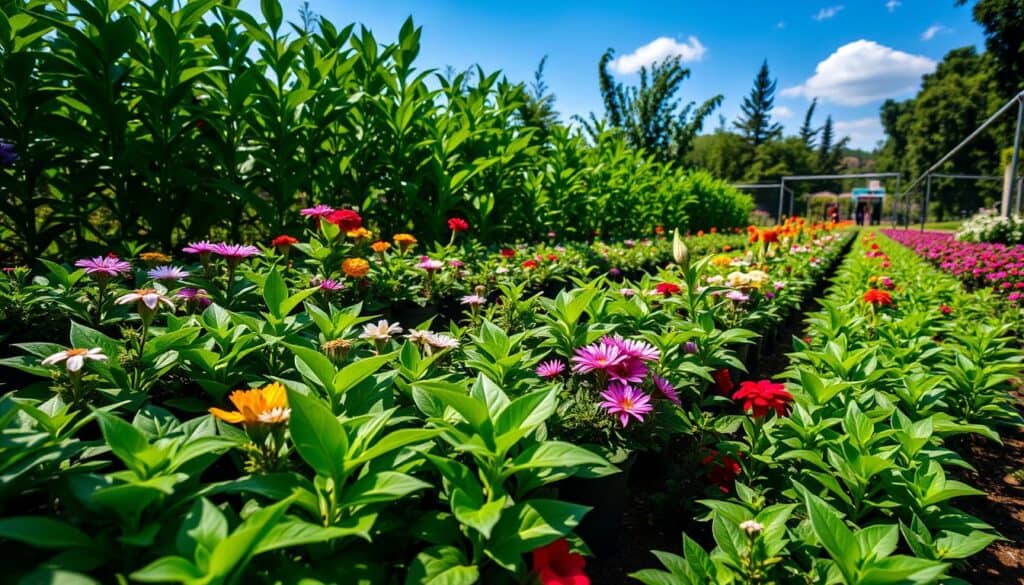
x=755, y=121
x=808, y=131
x=1003, y=21
x=650, y=115
x=537, y=109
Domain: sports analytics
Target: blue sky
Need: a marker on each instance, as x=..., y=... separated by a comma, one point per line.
x=852, y=54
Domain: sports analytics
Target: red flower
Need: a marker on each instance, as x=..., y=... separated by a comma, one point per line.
x=722, y=471
x=723, y=380
x=877, y=297
x=552, y=257
x=667, y=288
x=762, y=396
x=945, y=309
x=530, y=264
x=283, y=241
x=457, y=224
x=507, y=252
x=555, y=565
x=346, y=219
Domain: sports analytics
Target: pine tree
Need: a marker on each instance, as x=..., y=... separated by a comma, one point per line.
x=538, y=107
x=825, y=147
x=808, y=132
x=756, y=120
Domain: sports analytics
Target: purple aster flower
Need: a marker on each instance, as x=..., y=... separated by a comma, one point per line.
x=104, y=266
x=626, y=401
x=8, y=155
x=690, y=347
x=596, y=357
x=235, y=252
x=473, y=300
x=203, y=247
x=666, y=389
x=329, y=284
x=318, y=211
x=169, y=273
x=635, y=348
x=551, y=369
x=630, y=370
x=194, y=296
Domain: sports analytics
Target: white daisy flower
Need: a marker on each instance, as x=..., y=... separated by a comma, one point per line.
x=381, y=331
x=150, y=297
x=74, y=359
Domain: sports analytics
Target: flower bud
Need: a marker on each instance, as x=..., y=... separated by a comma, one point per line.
x=679, y=251
x=751, y=527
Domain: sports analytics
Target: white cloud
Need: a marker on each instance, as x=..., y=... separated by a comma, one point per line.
x=862, y=72
x=782, y=112
x=827, y=13
x=658, y=50
x=863, y=132
x=933, y=30
x=892, y=5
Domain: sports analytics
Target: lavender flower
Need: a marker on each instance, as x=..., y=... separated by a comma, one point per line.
x=195, y=296
x=473, y=300
x=102, y=267
x=168, y=273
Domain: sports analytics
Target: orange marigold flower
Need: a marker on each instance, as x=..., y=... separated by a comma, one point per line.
x=155, y=257
x=360, y=233
x=380, y=246
x=878, y=297
x=259, y=406
x=659, y=230
x=355, y=267
x=404, y=241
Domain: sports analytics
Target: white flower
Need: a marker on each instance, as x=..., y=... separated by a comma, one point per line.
x=442, y=341
x=419, y=336
x=715, y=280
x=737, y=279
x=382, y=331
x=751, y=527
x=75, y=358
x=275, y=415
x=150, y=297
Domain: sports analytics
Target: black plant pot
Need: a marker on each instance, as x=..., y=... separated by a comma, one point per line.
x=608, y=498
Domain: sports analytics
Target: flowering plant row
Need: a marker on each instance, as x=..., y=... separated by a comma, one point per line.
x=277, y=431
x=847, y=465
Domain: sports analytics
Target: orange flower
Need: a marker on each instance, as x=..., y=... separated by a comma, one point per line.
x=155, y=257
x=359, y=234
x=404, y=241
x=714, y=230
x=659, y=230
x=259, y=406
x=877, y=297
x=355, y=267
x=380, y=246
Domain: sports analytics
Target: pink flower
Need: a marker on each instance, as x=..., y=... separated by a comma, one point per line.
x=168, y=273
x=104, y=266
x=666, y=389
x=630, y=370
x=318, y=211
x=429, y=264
x=235, y=252
x=329, y=285
x=473, y=300
x=635, y=348
x=596, y=357
x=551, y=369
x=194, y=296
x=626, y=401
x=201, y=247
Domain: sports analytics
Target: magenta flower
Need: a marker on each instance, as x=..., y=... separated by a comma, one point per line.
x=194, y=296
x=104, y=266
x=429, y=264
x=329, y=284
x=168, y=273
x=596, y=357
x=473, y=300
x=551, y=369
x=666, y=389
x=630, y=370
x=626, y=401
x=634, y=348
x=235, y=252
x=203, y=247
x=318, y=211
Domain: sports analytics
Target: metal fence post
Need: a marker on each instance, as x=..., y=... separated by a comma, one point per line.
x=927, y=198
x=1016, y=157
x=782, y=194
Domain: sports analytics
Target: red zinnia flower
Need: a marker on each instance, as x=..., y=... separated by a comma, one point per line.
x=945, y=309
x=667, y=288
x=722, y=471
x=556, y=565
x=346, y=219
x=457, y=224
x=283, y=241
x=530, y=264
x=762, y=396
x=552, y=257
x=723, y=380
x=507, y=252
x=877, y=297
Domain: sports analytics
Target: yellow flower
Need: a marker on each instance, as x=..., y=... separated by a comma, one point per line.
x=359, y=234
x=155, y=257
x=405, y=241
x=721, y=260
x=380, y=247
x=355, y=267
x=266, y=405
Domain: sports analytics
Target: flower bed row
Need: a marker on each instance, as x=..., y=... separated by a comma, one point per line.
x=846, y=468
x=271, y=434
x=980, y=265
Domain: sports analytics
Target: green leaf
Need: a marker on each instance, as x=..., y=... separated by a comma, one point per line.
x=292, y=532
x=43, y=532
x=168, y=569
x=234, y=552
x=555, y=455
x=318, y=436
x=473, y=512
x=441, y=565
x=455, y=396
x=382, y=486
x=272, y=12
x=837, y=539
x=275, y=292
x=351, y=375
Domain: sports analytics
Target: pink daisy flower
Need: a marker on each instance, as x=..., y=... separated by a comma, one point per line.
x=629, y=370
x=104, y=266
x=634, y=348
x=429, y=264
x=317, y=211
x=551, y=369
x=201, y=247
x=626, y=401
x=666, y=389
x=235, y=252
x=596, y=356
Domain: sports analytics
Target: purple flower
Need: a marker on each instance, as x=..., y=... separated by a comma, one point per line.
x=666, y=389
x=736, y=296
x=690, y=347
x=614, y=272
x=473, y=300
x=235, y=252
x=8, y=155
x=634, y=348
x=631, y=370
x=104, y=266
x=551, y=369
x=329, y=284
x=318, y=211
x=596, y=357
x=170, y=273
x=456, y=263
x=626, y=401
x=197, y=296
x=201, y=247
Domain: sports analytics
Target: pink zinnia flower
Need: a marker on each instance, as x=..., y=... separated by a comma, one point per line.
x=201, y=247
x=596, y=356
x=104, y=266
x=429, y=264
x=666, y=389
x=626, y=401
x=235, y=252
x=635, y=348
x=318, y=211
x=551, y=368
